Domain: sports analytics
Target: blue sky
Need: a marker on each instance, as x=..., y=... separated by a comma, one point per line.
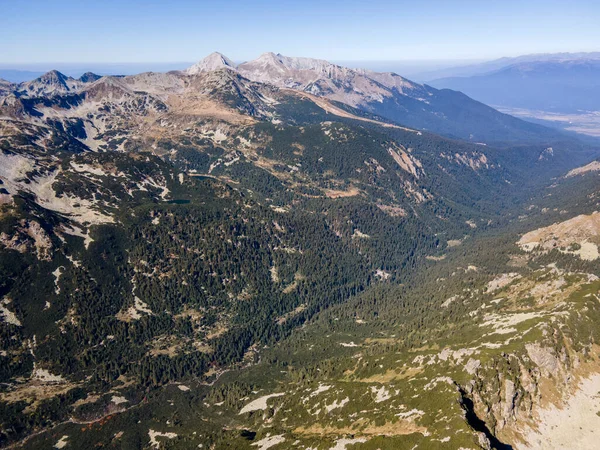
x=181, y=30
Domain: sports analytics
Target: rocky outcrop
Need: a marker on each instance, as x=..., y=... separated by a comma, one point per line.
x=508, y=391
x=544, y=358
x=29, y=236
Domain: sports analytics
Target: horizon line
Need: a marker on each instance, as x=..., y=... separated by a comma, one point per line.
x=192, y=61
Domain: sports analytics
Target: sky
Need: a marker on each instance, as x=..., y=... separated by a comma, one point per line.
x=135, y=31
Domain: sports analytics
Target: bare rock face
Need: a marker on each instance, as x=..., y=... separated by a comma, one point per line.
x=29, y=236
x=472, y=366
x=483, y=441
x=356, y=87
x=214, y=61
x=14, y=242
x=41, y=240
x=583, y=230
x=544, y=358
x=510, y=399
x=508, y=392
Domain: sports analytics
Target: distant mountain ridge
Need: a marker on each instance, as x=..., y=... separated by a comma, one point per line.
x=562, y=83
x=501, y=63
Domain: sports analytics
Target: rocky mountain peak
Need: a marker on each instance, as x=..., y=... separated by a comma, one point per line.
x=51, y=74
x=5, y=87
x=107, y=87
x=272, y=63
x=89, y=77
x=48, y=84
x=53, y=78
x=214, y=61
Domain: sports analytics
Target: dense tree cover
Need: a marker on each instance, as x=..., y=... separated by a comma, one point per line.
x=221, y=271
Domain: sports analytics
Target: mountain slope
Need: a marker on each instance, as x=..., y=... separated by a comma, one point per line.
x=175, y=247
x=477, y=349
x=393, y=97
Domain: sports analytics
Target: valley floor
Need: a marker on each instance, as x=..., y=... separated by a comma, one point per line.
x=585, y=122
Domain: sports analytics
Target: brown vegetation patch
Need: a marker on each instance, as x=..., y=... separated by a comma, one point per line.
x=365, y=428
x=392, y=375
x=352, y=191
x=34, y=392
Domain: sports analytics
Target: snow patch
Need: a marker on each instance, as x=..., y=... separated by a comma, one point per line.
x=7, y=315
x=381, y=394
x=44, y=376
x=57, y=273
x=341, y=444
x=337, y=404
x=269, y=441
x=62, y=442
x=259, y=404
x=157, y=434
x=117, y=400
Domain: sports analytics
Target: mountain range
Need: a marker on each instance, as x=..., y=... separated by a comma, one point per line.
x=561, y=83
x=287, y=253
x=481, y=68
x=387, y=95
